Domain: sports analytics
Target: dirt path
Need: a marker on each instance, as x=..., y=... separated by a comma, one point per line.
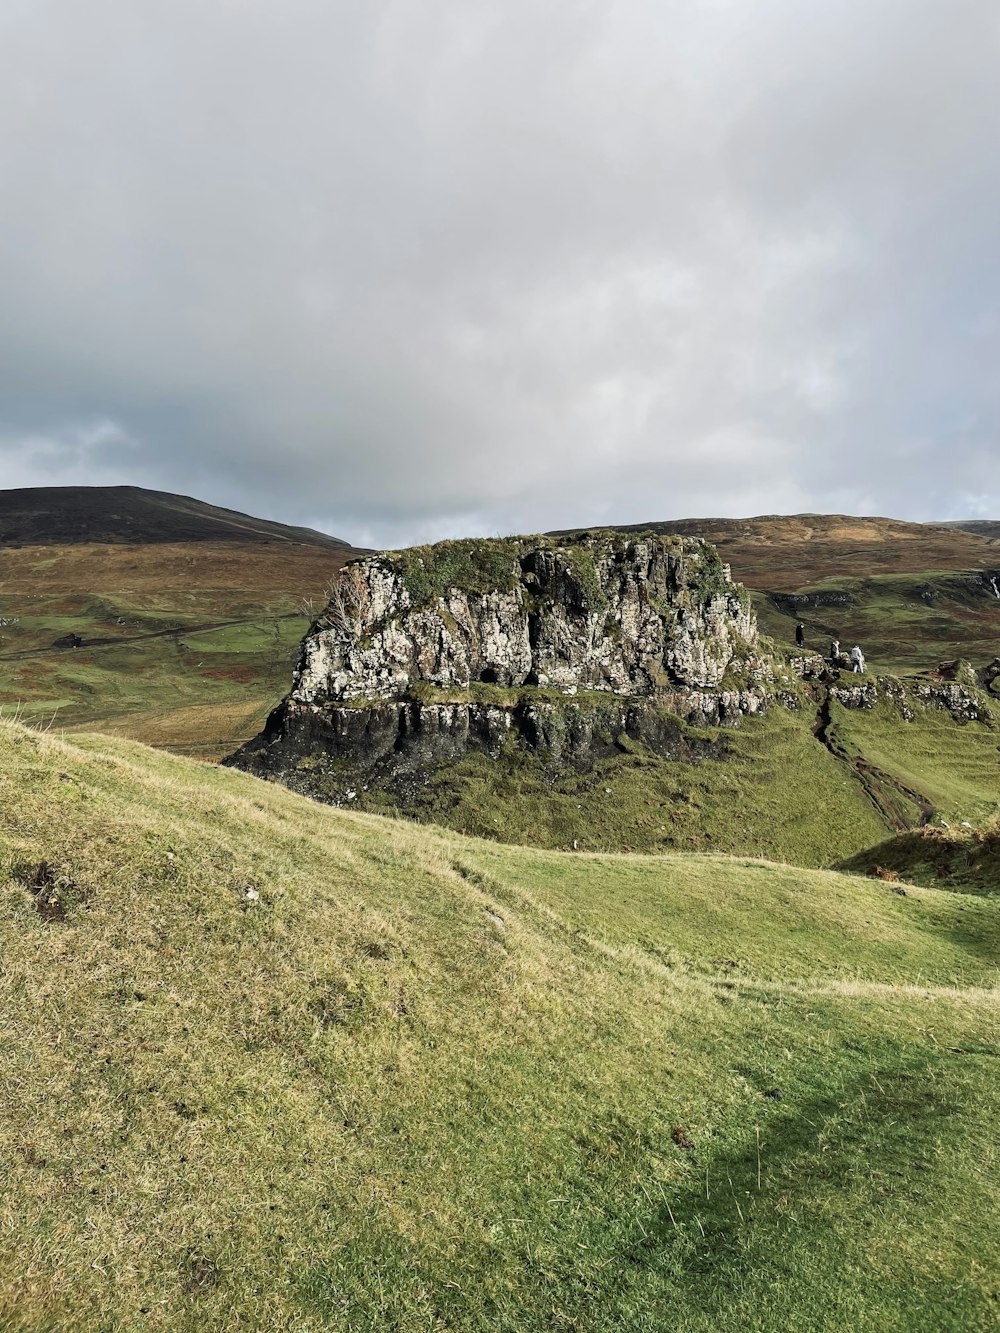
x=886, y=793
x=112, y=641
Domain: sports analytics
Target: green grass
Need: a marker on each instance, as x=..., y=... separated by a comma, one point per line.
x=283, y=1066
x=768, y=789
x=904, y=622
x=956, y=766
x=231, y=676
x=473, y=565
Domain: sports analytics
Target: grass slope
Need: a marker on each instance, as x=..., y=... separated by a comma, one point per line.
x=770, y=789
x=184, y=644
x=767, y=788
x=272, y=1065
x=953, y=766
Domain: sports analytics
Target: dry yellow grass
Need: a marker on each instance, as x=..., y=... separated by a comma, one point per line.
x=151, y=571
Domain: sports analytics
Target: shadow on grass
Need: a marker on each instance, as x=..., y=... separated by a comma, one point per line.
x=785, y=1230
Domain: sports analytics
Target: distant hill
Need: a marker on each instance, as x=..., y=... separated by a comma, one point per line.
x=131, y=515
x=783, y=552
x=982, y=527
x=156, y=615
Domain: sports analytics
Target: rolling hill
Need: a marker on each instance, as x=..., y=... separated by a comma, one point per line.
x=103, y=515
x=151, y=615
x=913, y=594
x=267, y=1064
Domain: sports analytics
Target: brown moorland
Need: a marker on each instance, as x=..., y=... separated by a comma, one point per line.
x=782, y=553
x=152, y=616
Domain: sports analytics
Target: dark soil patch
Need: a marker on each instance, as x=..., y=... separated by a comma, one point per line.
x=198, y=1272
x=240, y=674
x=50, y=892
x=337, y=1006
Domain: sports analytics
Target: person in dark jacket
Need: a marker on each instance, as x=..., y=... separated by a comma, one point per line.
x=800, y=635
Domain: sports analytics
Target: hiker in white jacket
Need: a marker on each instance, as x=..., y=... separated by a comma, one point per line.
x=858, y=659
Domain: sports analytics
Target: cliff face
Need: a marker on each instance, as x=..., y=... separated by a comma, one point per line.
x=607, y=613
x=421, y=653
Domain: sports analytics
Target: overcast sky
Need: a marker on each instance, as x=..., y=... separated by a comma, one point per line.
x=404, y=269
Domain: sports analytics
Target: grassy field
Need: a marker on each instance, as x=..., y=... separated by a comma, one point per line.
x=184, y=645
x=906, y=622
x=271, y=1065
x=956, y=767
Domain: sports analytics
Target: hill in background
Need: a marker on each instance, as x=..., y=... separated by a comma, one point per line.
x=102, y=515
x=913, y=594
x=151, y=615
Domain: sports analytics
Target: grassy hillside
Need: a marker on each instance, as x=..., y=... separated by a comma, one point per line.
x=267, y=1064
x=770, y=787
x=964, y=859
x=955, y=768
x=766, y=788
x=913, y=594
x=785, y=551
x=906, y=622
x=151, y=615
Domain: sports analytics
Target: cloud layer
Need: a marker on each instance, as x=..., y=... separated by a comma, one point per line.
x=407, y=268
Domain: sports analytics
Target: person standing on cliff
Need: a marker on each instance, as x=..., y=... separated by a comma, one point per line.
x=800, y=635
x=858, y=660
x=834, y=650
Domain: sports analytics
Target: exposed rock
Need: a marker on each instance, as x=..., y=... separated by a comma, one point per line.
x=962, y=702
x=632, y=616
x=856, y=696
x=990, y=676
x=809, y=666
x=960, y=670
x=959, y=701
x=563, y=644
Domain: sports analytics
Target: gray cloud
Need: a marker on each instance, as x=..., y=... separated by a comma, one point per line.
x=406, y=268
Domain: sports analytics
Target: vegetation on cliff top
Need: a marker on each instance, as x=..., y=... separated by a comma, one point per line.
x=478, y=564
x=272, y=1065
x=487, y=564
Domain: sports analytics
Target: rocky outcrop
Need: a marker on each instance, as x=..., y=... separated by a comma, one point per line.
x=962, y=702
x=990, y=677
x=559, y=644
x=605, y=613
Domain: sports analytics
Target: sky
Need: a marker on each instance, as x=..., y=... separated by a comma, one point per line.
x=411, y=269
